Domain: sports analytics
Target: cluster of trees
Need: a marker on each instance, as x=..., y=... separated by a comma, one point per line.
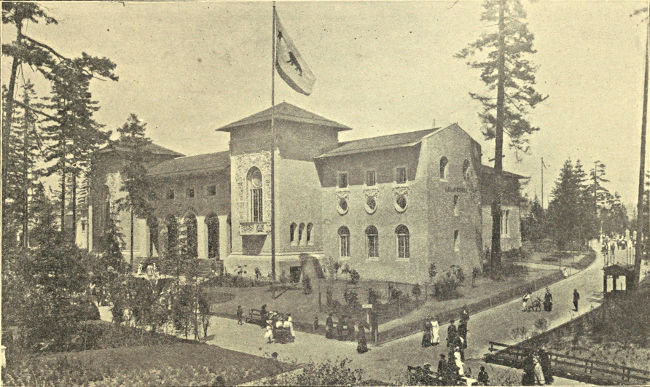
x=580, y=209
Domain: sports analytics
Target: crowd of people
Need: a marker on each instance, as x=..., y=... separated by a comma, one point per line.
x=279, y=327
x=345, y=330
x=537, y=369
x=528, y=305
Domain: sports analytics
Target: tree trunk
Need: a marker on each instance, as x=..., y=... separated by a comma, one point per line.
x=131, y=244
x=498, y=149
x=74, y=206
x=9, y=108
x=26, y=177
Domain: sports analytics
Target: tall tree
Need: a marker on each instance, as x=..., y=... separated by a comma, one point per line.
x=21, y=172
x=72, y=135
x=23, y=50
x=502, y=58
x=564, y=209
x=134, y=173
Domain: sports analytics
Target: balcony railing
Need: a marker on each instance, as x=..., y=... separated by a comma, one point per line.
x=254, y=228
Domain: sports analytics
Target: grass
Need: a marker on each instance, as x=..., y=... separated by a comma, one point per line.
x=303, y=307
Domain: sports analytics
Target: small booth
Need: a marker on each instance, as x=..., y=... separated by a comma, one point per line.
x=617, y=279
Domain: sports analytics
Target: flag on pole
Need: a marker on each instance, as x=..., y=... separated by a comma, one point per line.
x=290, y=64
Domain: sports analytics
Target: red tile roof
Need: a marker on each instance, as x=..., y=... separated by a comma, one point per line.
x=378, y=143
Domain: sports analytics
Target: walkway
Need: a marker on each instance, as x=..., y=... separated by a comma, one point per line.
x=388, y=362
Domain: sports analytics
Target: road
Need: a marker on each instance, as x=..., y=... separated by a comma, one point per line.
x=388, y=361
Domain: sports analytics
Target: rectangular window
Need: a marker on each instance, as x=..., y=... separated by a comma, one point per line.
x=400, y=175
x=504, y=218
x=371, y=178
x=83, y=226
x=456, y=241
x=211, y=190
x=170, y=194
x=402, y=246
x=256, y=205
x=345, y=245
x=190, y=192
x=455, y=205
x=343, y=180
x=373, y=246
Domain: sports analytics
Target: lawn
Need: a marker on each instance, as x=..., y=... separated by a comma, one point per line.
x=303, y=307
x=167, y=365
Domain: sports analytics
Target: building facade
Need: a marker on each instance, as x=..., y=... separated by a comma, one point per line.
x=387, y=206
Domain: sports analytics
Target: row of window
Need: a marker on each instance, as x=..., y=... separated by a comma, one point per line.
x=401, y=174
x=400, y=205
x=208, y=190
x=300, y=235
x=372, y=242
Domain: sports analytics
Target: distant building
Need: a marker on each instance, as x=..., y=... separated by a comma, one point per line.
x=387, y=206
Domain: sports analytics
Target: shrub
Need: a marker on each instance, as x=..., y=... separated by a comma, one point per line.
x=447, y=285
x=306, y=284
x=329, y=373
x=394, y=293
x=354, y=277
x=346, y=269
x=541, y=324
x=373, y=296
x=283, y=278
x=329, y=296
x=258, y=273
x=351, y=297
x=432, y=271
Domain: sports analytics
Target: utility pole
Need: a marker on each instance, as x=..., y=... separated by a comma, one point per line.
x=498, y=151
x=639, y=207
x=26, y=122
x=273, y=37
x=542, y=167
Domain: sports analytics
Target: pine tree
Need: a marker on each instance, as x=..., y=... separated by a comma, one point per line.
x=564, y=207
x=134, y=173
x=502, y=58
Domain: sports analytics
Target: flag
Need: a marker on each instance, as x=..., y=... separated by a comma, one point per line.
x=289, y=63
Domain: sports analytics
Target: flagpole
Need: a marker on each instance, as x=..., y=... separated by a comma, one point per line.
x=273, y=39
x=639, y=248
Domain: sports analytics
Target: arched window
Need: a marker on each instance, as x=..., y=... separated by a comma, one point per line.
x=443, y=168
x=301, y=228
x=505, y=214
x=191, y=240
x=372, y=237
x=344, y=238
x=254, y=181
x=309, y=228
x=402, y=233
x=172, y=233
x=292, y=233
x=212, y=222
x=466, y=170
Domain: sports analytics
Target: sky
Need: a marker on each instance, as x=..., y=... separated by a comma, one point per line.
x=188, y=68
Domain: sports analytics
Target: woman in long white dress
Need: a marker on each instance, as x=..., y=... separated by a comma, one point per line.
x=459, y=362
x=539, y=373
x=268, y=335
x=435, y=332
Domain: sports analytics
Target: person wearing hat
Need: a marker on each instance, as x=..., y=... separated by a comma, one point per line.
x=483, y=377
x=329, y=327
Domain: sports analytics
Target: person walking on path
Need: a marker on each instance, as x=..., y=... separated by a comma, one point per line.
x=426, y=334
x=435, y=332
x=362, y=346
x=576, y=298
x=464, y=314
x=462, y=332
x=525, y=300
x=268, y=335
x=240, y=314
x=442, y=367
x=451, y=334
x=548, y=300
x=483, y=377
x=329, y=327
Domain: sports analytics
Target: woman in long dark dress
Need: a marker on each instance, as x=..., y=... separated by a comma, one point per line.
x=548, y=301
x=426, y=334
x=362, y=346
x=329, y=327
x=339, y=328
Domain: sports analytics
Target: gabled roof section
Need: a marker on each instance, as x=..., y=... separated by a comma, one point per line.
x=189, y=165
x=149, y=148
x=487, y=170
x=379, y=143
x=285, y=111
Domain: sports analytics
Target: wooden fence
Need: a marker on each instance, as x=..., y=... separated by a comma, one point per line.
x=571, y=367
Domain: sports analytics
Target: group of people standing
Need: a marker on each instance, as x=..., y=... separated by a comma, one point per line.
x=346, y=330
x=279, y=328
x=537, y=369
